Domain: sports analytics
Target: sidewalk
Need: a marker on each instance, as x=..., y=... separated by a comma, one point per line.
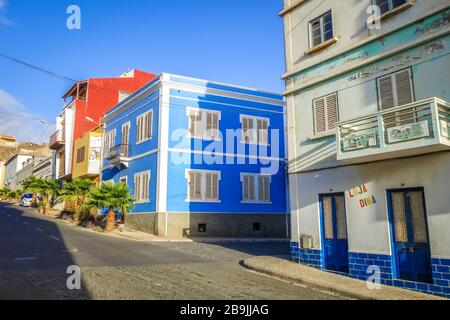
x=328, y=281
x=125, y=232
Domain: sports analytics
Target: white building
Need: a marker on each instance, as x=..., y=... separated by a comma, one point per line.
x=12, y=166
x=368, y=138
x=44, y=168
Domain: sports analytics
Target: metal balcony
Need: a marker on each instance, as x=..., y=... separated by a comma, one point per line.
x=417, y=128
x=56, y=140
x=119, y=155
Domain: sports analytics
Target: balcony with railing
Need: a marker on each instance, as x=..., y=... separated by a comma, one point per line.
x=56, y=140
x=417, y=128
x=119, y=155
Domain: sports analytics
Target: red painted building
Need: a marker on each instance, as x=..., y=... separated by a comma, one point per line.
x=89, y=99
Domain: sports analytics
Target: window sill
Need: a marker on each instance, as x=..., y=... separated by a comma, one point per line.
x=141, y=202
x=322, y=135
x=256, y=202
x=204, y=138
x=255, y=143
x=143, y=141
x=321, y=46
x=203, y=201
x=397, y=10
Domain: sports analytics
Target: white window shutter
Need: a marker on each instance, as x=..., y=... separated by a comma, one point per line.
x=386, y=93
x=209, y=186
x=403, y=87
x=245, y=187
x=319, y=116
x=252, y=188
x=332, y=114
x=191, y=182
x=261, y=188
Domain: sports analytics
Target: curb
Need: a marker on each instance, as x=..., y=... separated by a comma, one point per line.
x=304, y=282
x=400, y=294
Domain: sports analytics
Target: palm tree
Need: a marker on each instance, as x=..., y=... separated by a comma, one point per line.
x=77, y=191
x=111, y=196
x=13, y=195
x=4, y=193
x=32, y=184
x=48, y=188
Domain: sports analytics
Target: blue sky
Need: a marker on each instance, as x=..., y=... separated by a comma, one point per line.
x=232, y=41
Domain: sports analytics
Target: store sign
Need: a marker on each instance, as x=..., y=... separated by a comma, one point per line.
x=94, y=156
x=365, y=200
x=408, y=131
x=361, y=140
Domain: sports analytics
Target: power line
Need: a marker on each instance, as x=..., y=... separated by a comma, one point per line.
x=17, y=115
x=42, y=70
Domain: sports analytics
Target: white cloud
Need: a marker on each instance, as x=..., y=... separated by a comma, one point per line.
x=3, y=19
x=19, y=126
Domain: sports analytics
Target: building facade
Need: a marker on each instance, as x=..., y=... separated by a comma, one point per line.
x=87, y=155
x=368, y=138
x=201, y=159
x=2, y=174
x=44, y=168
x=12, y=167
x=84, y=104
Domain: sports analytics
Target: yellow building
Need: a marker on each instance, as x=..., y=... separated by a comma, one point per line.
x=87, y=156
x=2, y=174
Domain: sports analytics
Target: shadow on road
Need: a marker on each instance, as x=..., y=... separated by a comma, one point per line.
x=257, y=248
x=34, y=258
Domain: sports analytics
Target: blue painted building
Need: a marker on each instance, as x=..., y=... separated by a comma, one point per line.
x=368, y=109
x=201, y=158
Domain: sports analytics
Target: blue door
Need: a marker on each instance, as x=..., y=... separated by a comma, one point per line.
x=410, y=235
x=334, y=231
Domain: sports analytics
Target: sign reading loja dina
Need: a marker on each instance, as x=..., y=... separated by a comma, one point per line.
x=408, y=131
x=365, y=200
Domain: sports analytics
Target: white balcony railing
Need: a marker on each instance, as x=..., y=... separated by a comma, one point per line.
x=416, y=128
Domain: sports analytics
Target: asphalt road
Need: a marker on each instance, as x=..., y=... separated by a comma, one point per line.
x=36, y=251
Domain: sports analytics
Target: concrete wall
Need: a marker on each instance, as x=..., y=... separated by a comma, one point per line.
x=368, y=229
x=349, y=22
x=12, y=167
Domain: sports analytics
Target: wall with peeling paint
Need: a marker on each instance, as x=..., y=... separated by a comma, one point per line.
x=417, y=38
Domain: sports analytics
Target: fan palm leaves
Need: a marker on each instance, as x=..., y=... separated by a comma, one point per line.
x=77, y=191
x=111, y=196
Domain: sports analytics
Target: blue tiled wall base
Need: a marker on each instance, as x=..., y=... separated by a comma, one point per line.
x=310, y=257
x=360, y=262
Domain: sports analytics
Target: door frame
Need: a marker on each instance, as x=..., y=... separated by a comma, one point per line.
x=322, y=225
x=394, y=258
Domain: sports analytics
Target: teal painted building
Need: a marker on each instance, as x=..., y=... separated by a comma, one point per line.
x=368, y=102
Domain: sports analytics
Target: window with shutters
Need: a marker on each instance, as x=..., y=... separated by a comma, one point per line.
x=202, y=185
x=126, y=139
x=144, y=124
x=395, y=89
x=255, y=130
x=203, y=124
x=325, y=111
x=141, y=186
x=321, y=29
x=80, y=154
x=255, y=188
x=109, y=141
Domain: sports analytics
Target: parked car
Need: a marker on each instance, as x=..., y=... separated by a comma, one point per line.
x=25, y=200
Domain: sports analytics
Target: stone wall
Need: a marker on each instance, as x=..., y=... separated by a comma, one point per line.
x=217, y=224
